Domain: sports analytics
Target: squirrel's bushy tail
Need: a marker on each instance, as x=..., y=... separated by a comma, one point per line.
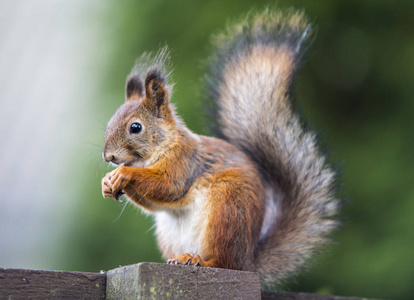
x=250, y=83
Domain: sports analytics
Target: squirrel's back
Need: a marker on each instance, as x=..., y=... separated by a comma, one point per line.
x=250, y=83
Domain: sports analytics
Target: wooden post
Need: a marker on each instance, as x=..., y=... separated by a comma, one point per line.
x=162, y=281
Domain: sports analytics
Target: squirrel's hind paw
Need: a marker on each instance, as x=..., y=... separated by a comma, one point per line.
x=192, y=260
x=186, y=259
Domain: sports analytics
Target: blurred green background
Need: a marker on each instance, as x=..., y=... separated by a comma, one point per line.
x=355, y=90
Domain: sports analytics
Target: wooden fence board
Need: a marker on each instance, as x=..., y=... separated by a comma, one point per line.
x=142, y=281
x=37, y=284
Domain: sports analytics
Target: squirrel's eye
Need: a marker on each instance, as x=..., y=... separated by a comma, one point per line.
x=135, y=128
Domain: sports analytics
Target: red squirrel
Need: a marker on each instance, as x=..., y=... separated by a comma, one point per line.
x=260, y=197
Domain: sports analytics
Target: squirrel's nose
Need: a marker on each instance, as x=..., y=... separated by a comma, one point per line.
x=108, y=157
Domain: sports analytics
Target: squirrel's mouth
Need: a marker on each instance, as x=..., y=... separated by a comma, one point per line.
x=132, y=162
x=121, y=164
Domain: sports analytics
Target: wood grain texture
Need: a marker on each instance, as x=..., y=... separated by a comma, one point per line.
x=162, y=281
x=143, y=281
x=38, y=284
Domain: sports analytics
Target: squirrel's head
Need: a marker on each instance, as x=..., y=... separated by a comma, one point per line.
x=142, y=127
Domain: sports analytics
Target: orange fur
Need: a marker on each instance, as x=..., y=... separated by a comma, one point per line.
x=235, y=196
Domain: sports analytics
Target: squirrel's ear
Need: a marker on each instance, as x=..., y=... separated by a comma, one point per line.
x=134, y=89
x=156, y=94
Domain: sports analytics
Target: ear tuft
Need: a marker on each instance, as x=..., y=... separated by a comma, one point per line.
x=156, y=85
x=134, y=89
x=155, y=91
x=153, y=81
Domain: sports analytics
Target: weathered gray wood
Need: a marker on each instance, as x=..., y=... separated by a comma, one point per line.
x=143, y=281
x=272, y=295
x=37, y=284
x=162, y=281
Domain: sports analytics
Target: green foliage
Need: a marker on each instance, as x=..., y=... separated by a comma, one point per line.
x=355, y=89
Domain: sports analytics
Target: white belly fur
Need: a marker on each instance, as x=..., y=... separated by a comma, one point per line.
x=182, y=231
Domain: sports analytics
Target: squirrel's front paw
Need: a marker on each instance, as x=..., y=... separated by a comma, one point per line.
x=119, y=178
x=114, y=182
x=107, y=187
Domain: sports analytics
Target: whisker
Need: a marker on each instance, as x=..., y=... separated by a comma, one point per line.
x=122, y=211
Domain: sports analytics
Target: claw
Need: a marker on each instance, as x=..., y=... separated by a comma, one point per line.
x=186, y=259
x=173, y=262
